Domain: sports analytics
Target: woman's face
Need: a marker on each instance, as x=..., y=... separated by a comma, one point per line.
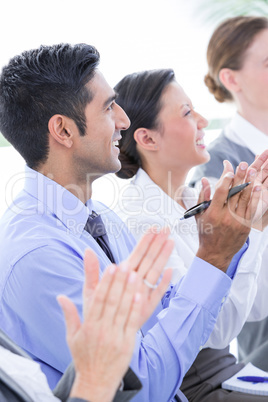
x=253, y=76
x=181, y=138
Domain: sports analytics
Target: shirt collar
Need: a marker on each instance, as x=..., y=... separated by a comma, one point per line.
x=159, y=199
x=57, y=200
x=240, y=131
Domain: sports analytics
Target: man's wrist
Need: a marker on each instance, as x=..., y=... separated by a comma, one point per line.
x=83, y=389
x=217, y=260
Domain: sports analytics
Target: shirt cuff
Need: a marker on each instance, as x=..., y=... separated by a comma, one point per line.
x=198, y=273
x=231, y=270
x=204, y=284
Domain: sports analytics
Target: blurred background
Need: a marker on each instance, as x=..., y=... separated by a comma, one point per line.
x=130, y=36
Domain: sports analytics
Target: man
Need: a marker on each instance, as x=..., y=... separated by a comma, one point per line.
x=59, y=112
x=21, y=378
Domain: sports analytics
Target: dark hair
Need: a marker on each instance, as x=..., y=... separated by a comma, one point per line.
x=139, y=94
x=38, y=84
x=227, y=48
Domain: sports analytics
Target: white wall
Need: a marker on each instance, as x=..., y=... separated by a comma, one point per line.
x=130, y=35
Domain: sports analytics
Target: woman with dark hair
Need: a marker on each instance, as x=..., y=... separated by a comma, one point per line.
x=164, y=141
x=237, y=59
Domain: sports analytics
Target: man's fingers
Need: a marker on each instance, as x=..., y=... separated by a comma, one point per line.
x=127, y=300
x=243, y=174
x=153, y=252
x=205, y=192
x=162, y=285
x=227, y=167
x=239, y=178
x=222, y=189
x=262, y=174
x=151, y=298
x=157, y=268
x=136, y=319
x=224, y=183
x=244, y=195
x=117, y=293
x=157, y=294
x=243, y=201
x=206, y=189
x=99, y=300
x=140, y=250
x=240, y=173
x=133, y=322
x=260, y=160
x=72, y=320
x=254, y=204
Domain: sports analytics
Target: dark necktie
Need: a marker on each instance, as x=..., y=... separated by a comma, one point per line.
x=96, y=228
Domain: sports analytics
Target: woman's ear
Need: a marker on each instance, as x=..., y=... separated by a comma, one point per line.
x=60, y=128
x=228, y=78
x=146, y=139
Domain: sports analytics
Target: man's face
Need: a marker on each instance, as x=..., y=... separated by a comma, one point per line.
x=96, y=153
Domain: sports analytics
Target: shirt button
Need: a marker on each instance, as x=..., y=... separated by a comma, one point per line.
x=200, y=348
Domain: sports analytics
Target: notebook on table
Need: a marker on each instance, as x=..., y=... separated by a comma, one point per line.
x=260, y=388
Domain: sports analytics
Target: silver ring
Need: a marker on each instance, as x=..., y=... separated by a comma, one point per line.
x=150, y=285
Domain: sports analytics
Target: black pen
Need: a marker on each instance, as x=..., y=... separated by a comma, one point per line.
x=205, y=204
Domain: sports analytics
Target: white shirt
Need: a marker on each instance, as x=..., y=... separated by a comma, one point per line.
x=144, y=204
x=27, y=374
x=240, y=131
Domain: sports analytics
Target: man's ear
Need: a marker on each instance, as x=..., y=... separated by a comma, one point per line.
x=60, y=128
x=228, y=78
x=146, y=139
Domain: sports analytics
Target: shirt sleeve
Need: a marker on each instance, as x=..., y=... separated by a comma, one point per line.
x=165, y=353
x=131, y=386
x=238, y=304
x=231, y=270
x=243, y=269
x=29, y=301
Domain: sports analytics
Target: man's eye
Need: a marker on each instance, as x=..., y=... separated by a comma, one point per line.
x=111, y=106
x=187, y=113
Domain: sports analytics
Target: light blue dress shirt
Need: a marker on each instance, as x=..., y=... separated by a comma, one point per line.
x=43, y=241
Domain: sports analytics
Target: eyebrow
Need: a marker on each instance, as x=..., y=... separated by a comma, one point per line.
x=110, y=99
x=189, y=104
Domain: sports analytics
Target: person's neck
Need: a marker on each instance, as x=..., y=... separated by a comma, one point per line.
x=258, y=118
x=79, y=187
x=172, y=183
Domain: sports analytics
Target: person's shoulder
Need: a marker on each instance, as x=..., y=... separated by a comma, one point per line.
x=224, y=148
x=31, y=236
x=220, y=145
x=220, y=149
